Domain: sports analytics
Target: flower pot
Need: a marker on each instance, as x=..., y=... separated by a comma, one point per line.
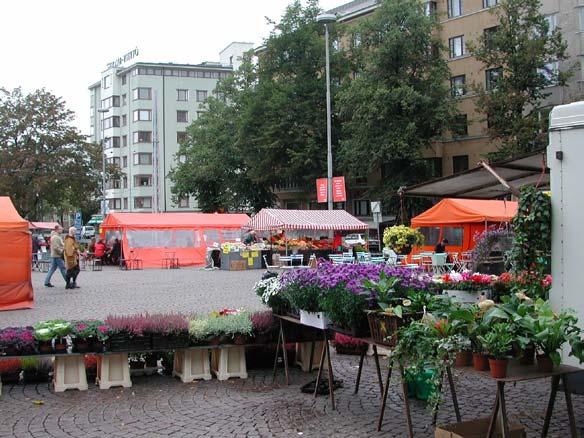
x=314, y=319
x=464, y=359
x=527, y=356
x=97, y=346
x=240, y=340
x=60, y=347
x=480, y=362
x=545, y=363
x=214, y=340
x=81, y=345
x=498, y=368
x=45, y=347
x=11, y=350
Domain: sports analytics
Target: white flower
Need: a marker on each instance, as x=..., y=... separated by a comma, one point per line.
x=407, y=303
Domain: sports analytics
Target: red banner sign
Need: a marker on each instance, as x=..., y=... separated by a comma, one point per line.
x=339, y=193
x=321, y=190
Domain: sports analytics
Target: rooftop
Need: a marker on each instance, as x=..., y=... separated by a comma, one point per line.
x=354, y=9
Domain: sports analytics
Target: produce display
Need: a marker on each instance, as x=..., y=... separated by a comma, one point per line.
x=304, y=243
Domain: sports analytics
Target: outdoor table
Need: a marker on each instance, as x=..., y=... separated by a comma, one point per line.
x=521, y=373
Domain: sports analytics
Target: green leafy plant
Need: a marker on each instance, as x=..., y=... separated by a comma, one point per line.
x=48, y=330
x=199, y=329
x=385, y=292
x=343, y=307
x=230, y=325
x=497, y=341
x=305, y=297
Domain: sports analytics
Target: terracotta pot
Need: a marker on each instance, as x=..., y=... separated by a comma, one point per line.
x=60, y=347
x=545, y=363
x=498, y=368
x=480, y=362
x=81, y=345
x=240, y=340
x=527, y=356
x=214, y=340
x=97, y=346
x=464, y=359
x=11, y=350
x=45, y=347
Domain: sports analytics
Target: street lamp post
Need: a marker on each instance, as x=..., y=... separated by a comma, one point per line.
x=327, y=19
x=102, y=111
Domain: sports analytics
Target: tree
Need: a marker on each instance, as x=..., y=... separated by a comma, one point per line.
x=519, y=56
x=45, y=163
x=399, y=101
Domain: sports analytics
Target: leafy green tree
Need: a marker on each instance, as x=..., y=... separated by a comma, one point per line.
x=45, y=164
x=522, y=47
x=399, y=101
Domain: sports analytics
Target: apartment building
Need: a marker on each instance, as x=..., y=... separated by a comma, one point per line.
x=140, y=113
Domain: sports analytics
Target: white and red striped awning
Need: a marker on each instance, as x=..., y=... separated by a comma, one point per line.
x=270, y=219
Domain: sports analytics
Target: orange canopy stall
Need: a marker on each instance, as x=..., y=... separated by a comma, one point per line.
x=458, y=220
x=15, y=259
x=151, y=237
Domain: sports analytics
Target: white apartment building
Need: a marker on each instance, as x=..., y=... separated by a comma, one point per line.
x=149, y=107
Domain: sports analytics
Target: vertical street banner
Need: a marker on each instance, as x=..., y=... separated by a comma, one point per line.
x=321, y=190
x=339, y=193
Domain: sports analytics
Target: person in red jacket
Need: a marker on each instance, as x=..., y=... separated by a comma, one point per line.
x=100, y=249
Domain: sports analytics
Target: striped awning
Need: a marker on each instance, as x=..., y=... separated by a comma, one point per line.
x=270, y=219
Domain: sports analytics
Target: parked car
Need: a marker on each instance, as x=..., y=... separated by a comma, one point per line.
x=88, y=232
x=354, y=239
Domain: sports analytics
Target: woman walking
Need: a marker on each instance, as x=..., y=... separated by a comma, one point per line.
x=71, y=253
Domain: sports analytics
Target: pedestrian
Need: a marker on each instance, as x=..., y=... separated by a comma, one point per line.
x=57, y=262
x=116, y=252
x=71, y=252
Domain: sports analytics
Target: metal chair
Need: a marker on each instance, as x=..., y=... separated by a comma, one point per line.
x=337, y=259
x=268, y=266
x=439, y=263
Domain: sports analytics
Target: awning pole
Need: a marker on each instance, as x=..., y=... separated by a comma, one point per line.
x=502, y=180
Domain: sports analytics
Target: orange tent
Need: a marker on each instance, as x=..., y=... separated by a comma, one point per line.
x=153, y=236
x=458, y=220
x=15, y=259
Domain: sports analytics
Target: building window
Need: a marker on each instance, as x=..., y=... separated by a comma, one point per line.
x=338, y=205
x=200, y=114
x=581, y=14
x=142, y=158
x=111, y=122
x=182, y=159
x=183, y=202
x=456, y=45
x=458, y=85
x=292, y=205
x=182, y=116
x=112, y=101
x=143, y=202
x=454, y=8
x=181, y=136
x=489, y=36
x=361, y=207
x=492, y=75
x=124, y=140
x=125, y=180
x=124, y=99
x=435, y=165
x=182, y=95
x=142, y=93
x=142, y=115
x=113, y=161
x=142, y=137
x=430, y=8
x=460, y=126
x=552, y=21
x=490, y=3
x=114, y=203
x=201, y=95
x=124, y=79
x=356, y=39
x=142, y=180
x=550, y=72
x=124, y=120
x=459, y=163
x=125, y=203
x=106, y=82
x=125, y=161
x=111, y=142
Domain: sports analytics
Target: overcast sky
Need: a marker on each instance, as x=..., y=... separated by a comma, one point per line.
x=63, y=45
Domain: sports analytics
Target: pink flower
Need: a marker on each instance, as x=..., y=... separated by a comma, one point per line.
x=102, y=329
x=81, y=326
x=547, y=281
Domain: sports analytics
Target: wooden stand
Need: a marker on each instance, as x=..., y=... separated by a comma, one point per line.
x=69, y=373
x=229, y=362
x=113, y=370
x=192, y=364
x=308, y=354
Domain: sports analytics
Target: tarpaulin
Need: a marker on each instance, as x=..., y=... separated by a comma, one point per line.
x=15, y=259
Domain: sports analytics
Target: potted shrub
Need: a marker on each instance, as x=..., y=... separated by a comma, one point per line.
x=35, y=370
x=307, y=299
x=402, y=238
x=497, y=342
x=10, y=370
x=53, y=331
x=127, y=333
x=345, y=309
x=468, y=321
x=16, y=341
x=263, y=326
x=169, y=331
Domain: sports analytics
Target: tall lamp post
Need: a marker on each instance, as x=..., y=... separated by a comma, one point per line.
x=102, y=111
x=327, y=19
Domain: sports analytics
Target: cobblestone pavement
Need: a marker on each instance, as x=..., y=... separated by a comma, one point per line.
x=159, y=406
x=123, y=292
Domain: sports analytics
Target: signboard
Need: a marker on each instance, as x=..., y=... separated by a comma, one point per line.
x=376, y=211
x=321, y=190
x=339, y=193
x=78, y=224
x=124, y=58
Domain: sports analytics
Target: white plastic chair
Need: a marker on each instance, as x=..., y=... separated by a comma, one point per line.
x=439, y=265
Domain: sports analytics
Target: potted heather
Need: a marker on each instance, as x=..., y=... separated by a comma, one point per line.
x=402, y=238
x=497, y=342
x=16, y=341
x=263, y=326
x=127, y=333
x=169, y=331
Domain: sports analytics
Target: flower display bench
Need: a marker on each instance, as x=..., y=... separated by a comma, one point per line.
x=308, y=355
x=192, y=364
x=113, y=370
x=229, y=361
x=69, y=373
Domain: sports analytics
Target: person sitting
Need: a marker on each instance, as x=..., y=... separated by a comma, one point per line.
x=99, y=250
x=440, y=248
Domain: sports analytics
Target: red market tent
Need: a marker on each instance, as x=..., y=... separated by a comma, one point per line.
x=270, y=219
x=458, y=220
x=15, y=259
x=152, y=236
x=43, y=225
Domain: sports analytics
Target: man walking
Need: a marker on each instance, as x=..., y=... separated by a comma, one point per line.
x=71, y=254
x=57, y=262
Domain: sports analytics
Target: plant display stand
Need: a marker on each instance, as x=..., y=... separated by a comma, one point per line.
x=193, y=364
x=229, y=362
x=305, y=351
x=69, y=373
x=113, y=370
